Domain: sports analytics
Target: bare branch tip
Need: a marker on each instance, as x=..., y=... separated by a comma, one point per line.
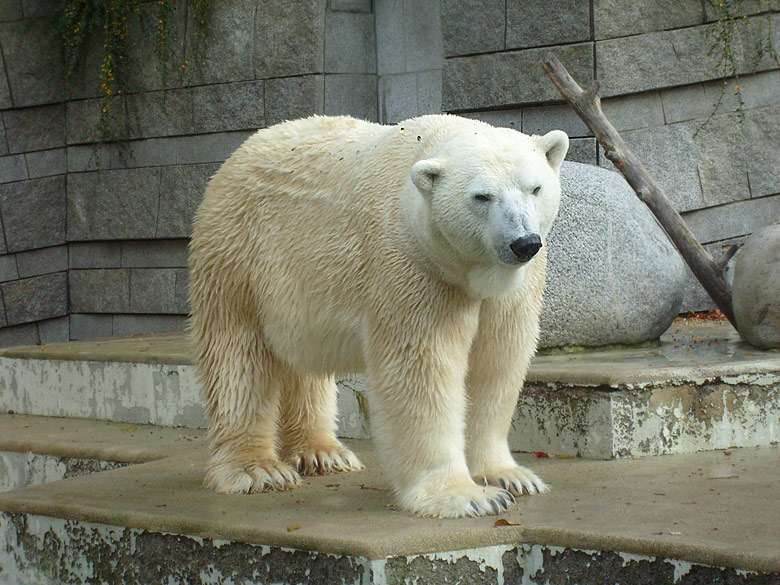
x=727, y=255
x=593, y=91
x=550, y=59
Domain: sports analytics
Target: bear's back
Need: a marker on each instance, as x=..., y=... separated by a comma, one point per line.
x=316, y=157
x=338, y=158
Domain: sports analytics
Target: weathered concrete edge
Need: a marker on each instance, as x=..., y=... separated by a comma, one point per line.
x=119, y=453
x=590, y=376
x=495, y=564
x=27, y=536
x=94, y=439
x=717, y=556
x=652, y=377
x=35, y=469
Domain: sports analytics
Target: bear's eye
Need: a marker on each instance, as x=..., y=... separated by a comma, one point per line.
x=536, y=190
x=483, y=197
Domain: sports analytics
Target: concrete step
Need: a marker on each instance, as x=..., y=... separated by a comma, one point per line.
x=141, y=379
x=700, y=388
x=681, y=519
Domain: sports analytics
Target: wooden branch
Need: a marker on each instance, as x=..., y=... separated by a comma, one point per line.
x=587, y=104
x=727, y=255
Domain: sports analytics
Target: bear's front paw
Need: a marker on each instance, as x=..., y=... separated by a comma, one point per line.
x=321, y=459
x=230, y=477
x=458, y=501
x=518, y=480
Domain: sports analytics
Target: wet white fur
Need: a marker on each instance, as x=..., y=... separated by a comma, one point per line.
x=316, y=252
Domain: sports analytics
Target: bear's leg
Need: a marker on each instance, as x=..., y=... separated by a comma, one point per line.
x=241, y=380
x=309, y=440
x=498, y=362
x=417, y=368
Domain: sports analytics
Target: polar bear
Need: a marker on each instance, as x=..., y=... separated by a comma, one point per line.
x=413, y=253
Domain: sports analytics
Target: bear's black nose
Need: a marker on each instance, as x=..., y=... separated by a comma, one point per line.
x=526, y=247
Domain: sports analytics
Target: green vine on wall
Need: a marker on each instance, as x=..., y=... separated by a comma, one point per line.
x=729, y=15
x=109, y=21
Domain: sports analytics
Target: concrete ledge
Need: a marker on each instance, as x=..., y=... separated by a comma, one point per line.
x=700, y=388
x=674, y=512
x=73, y=438
x=141, y=391
x=166, y=394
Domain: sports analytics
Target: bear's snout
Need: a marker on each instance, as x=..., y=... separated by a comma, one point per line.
x=526, y=247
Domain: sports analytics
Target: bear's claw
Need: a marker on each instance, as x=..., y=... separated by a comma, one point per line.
x=516, y=481
x=499, y=503
x=507, y=498
x=460, y=501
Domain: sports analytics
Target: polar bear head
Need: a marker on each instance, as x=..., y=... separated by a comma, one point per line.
x=486, y=201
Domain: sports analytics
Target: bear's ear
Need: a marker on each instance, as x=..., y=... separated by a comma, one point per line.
x=555, y=145
x=424, y=173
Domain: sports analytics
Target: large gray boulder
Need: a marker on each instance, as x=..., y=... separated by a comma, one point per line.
x=613, y=276
x=756, y=288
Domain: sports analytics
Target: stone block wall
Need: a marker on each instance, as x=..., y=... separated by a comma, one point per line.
x=662, y=86
x=94, y=224
x=33, y=182
x=409, y=58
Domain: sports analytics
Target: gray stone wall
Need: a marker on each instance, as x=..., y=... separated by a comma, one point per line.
x=94, y=225
x=94, y=233
x=409, y=58
x=33, y=250
x=662, y=87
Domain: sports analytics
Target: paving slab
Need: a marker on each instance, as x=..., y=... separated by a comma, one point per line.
x=95, y=439
x=716, y=509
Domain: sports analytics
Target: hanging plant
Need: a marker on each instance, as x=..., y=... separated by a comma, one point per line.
x=729, y=14
x=110, y=21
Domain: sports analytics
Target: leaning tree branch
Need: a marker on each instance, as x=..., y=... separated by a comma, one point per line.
x=587, y=104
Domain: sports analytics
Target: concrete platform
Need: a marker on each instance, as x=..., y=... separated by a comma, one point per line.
x=700, y=388
x=699, y=518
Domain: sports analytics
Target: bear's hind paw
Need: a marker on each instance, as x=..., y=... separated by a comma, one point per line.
x=231, y=478
x=319, y=461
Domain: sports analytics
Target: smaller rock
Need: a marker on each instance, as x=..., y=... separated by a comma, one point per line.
x=756, y=289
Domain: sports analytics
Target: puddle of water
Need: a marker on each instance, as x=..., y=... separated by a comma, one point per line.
x=681, y=346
